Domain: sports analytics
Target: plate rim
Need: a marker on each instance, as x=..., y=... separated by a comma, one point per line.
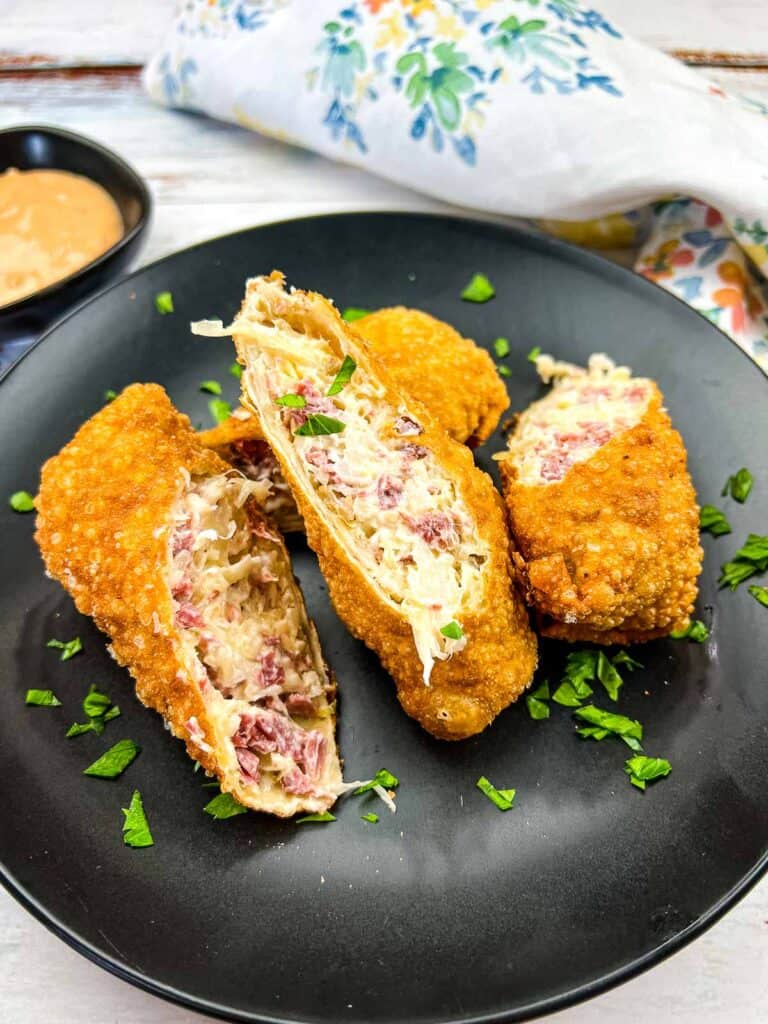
x=592, y=262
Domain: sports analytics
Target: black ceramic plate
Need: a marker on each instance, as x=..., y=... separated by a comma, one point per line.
x=451, y=910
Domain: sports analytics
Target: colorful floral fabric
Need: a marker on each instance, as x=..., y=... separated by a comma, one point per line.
x=535, y=108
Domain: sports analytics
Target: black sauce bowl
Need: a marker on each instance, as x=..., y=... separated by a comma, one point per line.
x=40, y=146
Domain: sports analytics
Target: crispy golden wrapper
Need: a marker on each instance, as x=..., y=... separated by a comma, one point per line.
x=466, y=691
x=107, y=511
x=610, y=553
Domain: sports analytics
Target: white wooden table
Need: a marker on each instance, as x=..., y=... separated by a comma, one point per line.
x=76, y=65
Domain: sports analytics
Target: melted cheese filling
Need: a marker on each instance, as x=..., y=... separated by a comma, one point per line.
x=584, y=410
x=242, y=620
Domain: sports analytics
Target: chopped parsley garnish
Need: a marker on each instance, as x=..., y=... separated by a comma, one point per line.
x=352, y=313
x=739, y=485
x=22, y=501
x=211, y=386
x=479, y=289
x=748, y=561
x=641, y=769
x=99, y=709
x=114, y=761
x=608, y=676
x=696, y=631
x=535, y=702
x=219, y=410
x=622, y=658
x=371, y=817
x=224, y=806
x=504, y=371
x=713, y=520
x=580, y=668
x=343, y=377
x=381, y=778
x=452, y=630
x=291, y=401
x=164, y=302
x=534, y=354
x=318, y=423
x=95, y=704
x=501, y=348
x=110, y=395
x=78, y=728
x=325, y=816
x=605, y=723
x=502, y=798
x=136, y=827
x=42, y=699
x=760, y=594
x=68, y=648
x=236, y=370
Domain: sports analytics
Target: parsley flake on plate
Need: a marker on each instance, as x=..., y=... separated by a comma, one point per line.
x=236, y=370
x=371, y=817
x=608, y=676
x=749, y=560
x=760, y=594
x=738, y=485
x=324, y=816
x=224, y=806
x=696, y=632
x=42, y=699
x=110, y=395
x=68, y=648
x=536, y=704
x=212, y=387
x=504, y=371
x=641, y=769
x=317, y=424
x=22, y=501
x=95, y=704
x=452, y=630
x=712, y=520
x=604, y=723
x=136, y=827
x=580, y=670
x=622, y=658
x=503, y=798
x=219, y=410
x=164, y=303
x=352, y=313
x=501, y=348
x=534, y=354
x=114, y=761
x=479, y=289
x=382, y=778
x=343, y=377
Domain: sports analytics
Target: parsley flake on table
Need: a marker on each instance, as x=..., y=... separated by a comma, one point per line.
x=42, y=699
x=536, y=704
x=236, y=370
x=352, y=313
x=110, y=395
x=96, y=704
x=219, y=410
x=580, y=670
x=371, y=817
x=164, y=303
x=504, y=371
x=604, y=723
x=212, y=387
x=534, y=354
x=608, y=676
x=452, y=630
x=641, y=769
x=22, y=501
x=479, y=289
x=503, y=798
x=324, y=816
x=224, y=806
x=712, y=520
x=136, y=827
x=696, y=632
x=501, y=348
x=622, y=658
x=317, y=424
x=760, y=594
x=68, y=648
x=343, y=377
x=749, y=560
x=738, y=485
x=114, y=761
x=382, y=778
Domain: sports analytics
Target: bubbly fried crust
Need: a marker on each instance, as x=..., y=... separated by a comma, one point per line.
x=104, y=517
x=610, y=553
x=467, y=691
x=450, y=374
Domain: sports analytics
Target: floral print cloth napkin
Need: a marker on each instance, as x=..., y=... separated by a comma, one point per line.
x=532, y=108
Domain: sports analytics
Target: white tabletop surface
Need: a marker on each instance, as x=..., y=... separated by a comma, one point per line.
x=53, y=70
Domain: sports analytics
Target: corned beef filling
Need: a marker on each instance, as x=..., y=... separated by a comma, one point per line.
x=235, y=599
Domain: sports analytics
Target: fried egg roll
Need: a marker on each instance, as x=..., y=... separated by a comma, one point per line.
x=602, y=508
x=167, y=548
x=409, y=534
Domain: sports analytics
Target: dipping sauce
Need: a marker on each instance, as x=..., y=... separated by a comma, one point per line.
x=52, y=223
